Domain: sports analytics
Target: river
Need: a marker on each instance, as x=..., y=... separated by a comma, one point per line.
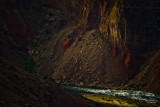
x=133, y=94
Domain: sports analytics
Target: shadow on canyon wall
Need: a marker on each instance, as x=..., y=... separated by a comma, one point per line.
x=107, y=43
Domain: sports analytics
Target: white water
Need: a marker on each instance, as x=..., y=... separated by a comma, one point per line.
x=138, y=95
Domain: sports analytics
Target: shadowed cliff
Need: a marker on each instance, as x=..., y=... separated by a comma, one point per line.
x=101, y=43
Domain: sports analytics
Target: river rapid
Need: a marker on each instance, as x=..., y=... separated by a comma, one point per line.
x=133, y=94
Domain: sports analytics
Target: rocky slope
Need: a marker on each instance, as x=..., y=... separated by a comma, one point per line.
x=105, y=45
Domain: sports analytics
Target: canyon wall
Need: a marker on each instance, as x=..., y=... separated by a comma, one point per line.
x=102, y=43
x=129, y=33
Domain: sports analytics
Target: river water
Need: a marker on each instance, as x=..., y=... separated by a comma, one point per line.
x=133, y=94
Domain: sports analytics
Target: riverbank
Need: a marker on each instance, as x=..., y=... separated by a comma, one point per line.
x=118, y=101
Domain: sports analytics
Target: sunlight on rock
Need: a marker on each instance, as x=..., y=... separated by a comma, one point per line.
x=108, y=100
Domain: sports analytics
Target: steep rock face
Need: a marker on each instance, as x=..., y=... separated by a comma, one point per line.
x=86, y=42
x=13, y=24
x=113, y=69
x=19, y=19
x=86, y=62
x=129, y=33
x=148, y=78
x=142, y=29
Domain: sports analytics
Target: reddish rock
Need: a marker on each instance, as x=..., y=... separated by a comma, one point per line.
x=67, y=43
x=19, y=30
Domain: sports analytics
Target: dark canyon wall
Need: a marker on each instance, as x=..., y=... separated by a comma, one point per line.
x=102, y=43
x=130, y=34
